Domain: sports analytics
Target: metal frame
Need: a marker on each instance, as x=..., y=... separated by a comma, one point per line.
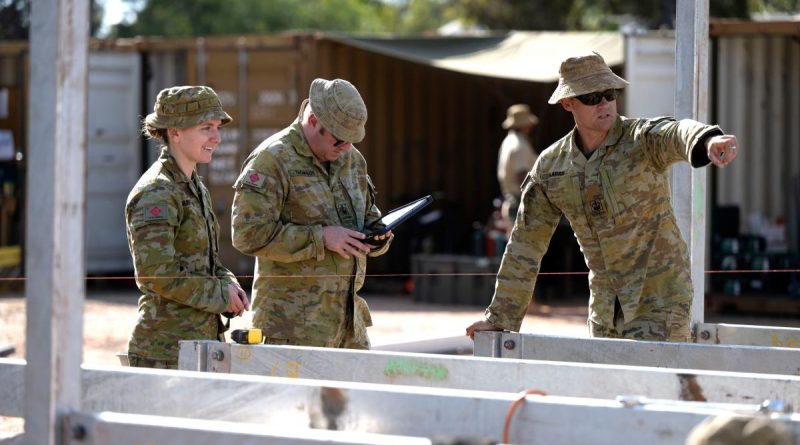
x=52, y=386
x=738, y=334
x=487, y=374
x=297, y=404
x=136, y=429
x=56, y=167
x=754, y=359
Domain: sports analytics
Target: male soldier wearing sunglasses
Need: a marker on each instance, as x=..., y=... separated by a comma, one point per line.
x=609, y=176
x=301, y=201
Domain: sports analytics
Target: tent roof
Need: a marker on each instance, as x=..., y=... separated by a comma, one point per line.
x=517, y=55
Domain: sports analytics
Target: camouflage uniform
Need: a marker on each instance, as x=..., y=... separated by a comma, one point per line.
x=618, y=204
x=173, y=238
x=304, y=294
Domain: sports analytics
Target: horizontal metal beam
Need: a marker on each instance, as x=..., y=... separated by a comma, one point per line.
x=488, y=374
x=755, y=359
x=740, y=334
x=385, y=409
x=135, y=429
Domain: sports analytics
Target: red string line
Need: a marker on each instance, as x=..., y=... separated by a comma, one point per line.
x=389, y=275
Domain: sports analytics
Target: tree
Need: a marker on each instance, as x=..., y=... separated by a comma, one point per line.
x=600, y=14
x=213, y=17
x=15, y=19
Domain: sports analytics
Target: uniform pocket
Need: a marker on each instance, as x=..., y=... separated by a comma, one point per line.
x=609, y=194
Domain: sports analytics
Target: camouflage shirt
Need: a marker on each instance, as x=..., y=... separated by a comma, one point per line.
x=173, y=238
x=618, y=204
x=303, y=293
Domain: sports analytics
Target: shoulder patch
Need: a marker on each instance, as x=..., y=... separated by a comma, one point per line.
x=156, y=212
x=254, y=178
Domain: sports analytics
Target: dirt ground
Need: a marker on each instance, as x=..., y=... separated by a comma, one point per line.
x=110, y=314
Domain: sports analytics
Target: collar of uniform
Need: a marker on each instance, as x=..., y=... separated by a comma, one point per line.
x=612, y=138
x=298, y=140
x=615, y=134
x=171, y=165
x=300, y=144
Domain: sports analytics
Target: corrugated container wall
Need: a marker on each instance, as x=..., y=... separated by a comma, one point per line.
x=757, y=92
x=430, y=131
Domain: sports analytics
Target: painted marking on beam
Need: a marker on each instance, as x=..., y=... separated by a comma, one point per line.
x=245, y=354
x=784, y=342
x=399, y=366
x=291, y=369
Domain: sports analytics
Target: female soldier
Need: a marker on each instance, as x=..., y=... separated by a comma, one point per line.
x=173, y=233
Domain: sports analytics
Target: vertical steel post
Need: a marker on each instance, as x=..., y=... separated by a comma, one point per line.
x=56, y=181
x=691, y=101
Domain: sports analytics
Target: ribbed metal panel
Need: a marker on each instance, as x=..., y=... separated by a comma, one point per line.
x=758, y=99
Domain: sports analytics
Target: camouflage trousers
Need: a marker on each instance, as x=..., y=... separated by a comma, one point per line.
x=348, y=342
x=142, y=362
x=670, y=323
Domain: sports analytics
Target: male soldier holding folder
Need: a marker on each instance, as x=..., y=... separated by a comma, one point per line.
x=301, y=203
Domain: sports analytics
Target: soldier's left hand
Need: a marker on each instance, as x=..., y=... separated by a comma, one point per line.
x=722, y=149
x=345, y=242
x=237, y=300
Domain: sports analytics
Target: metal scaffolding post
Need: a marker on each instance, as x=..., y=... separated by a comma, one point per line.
x=56, y=174
x=691, y=101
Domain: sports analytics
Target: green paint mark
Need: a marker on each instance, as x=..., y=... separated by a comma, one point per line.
x=417, y=368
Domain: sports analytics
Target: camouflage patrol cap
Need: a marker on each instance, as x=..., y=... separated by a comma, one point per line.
x=738, y=430
x=186, y=106
x=339, y=108
x=585, y=74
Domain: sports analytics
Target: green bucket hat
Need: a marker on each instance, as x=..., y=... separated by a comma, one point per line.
x=339, y=108
x=186, y=106
x=585, y=74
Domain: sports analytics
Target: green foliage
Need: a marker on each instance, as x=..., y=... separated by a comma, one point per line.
x=14, y=19
x=214, y=17
x=600, y=14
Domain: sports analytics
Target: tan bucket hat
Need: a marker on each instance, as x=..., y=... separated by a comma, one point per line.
x=585, y=74
x=339, y=108
x=186, y=106
x=518, y=116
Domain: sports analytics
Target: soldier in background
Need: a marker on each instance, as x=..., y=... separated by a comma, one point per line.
x=173, y=233
x=609, y=177
x=301, y=201
x=515, y=159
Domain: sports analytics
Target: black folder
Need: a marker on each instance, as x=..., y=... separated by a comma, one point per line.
x=396, y=216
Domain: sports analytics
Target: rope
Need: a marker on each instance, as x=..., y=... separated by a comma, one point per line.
x=513, y=408
x=390, y=275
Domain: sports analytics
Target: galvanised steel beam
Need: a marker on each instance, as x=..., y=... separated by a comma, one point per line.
x=488, y=374
x=135, y=429
x=755, y=359
x=752, y=335
x=298, y=404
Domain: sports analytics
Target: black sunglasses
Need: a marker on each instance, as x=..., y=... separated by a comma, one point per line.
x=338, y=142
x=597, y=97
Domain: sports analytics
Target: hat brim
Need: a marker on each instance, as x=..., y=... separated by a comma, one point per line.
x=528, y=120
x=185, y=121
x=590, y=84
